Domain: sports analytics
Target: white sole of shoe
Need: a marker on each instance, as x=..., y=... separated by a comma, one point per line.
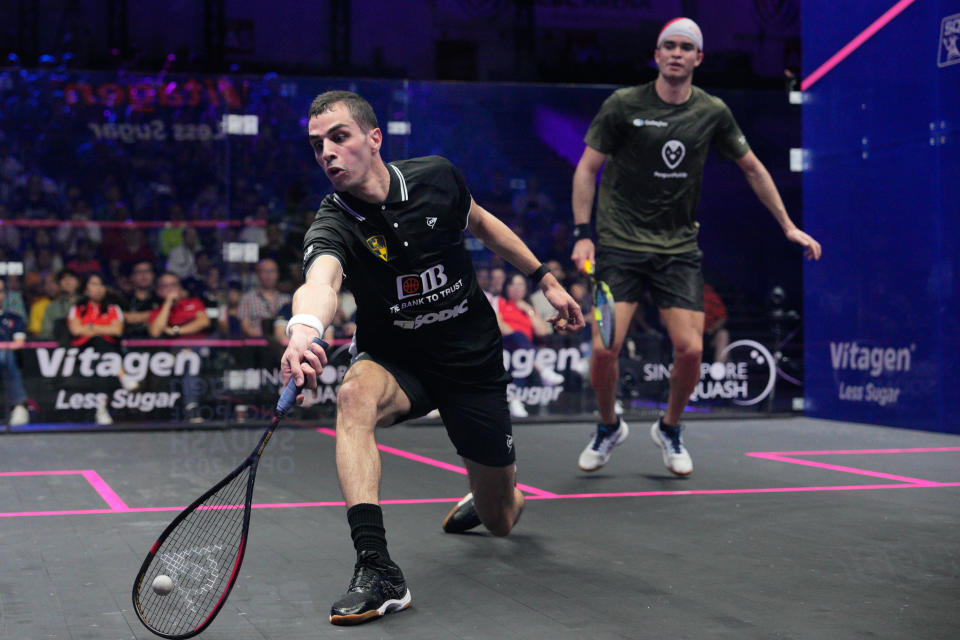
x=390, y=606
x=664, y=451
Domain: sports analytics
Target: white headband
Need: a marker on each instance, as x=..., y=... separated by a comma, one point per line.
x=682, y=27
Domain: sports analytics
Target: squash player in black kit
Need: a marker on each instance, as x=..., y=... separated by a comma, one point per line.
x=426, y=336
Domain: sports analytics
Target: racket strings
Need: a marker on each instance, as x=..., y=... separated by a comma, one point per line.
x=199, y=556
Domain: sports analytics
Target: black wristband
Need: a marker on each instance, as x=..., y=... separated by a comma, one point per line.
x=581, y=231
x=537, y=275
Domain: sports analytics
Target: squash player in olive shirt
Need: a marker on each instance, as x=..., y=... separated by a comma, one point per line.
x=651, y=142
x=426, y=336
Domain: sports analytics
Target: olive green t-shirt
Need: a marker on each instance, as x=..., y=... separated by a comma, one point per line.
x=654, y=170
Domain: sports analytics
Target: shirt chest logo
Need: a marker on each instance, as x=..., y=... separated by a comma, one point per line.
x=672, y=153
x=378, y=245
x=640, y=122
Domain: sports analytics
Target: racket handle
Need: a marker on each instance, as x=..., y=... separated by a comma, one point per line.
x=289, y=396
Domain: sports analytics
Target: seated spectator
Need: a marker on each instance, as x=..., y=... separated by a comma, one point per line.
x=495, y=286
x=59, y=307
x=13, y=331
x=95, y=323
x=40, y=253
x=196, y=285
x=519, y=323
x=539, y=301
x=50, y=290
x=531, y=199
x=263, y=302
x=715, y=319
x=182, y=258
x=9, y=234
x=133, y=249
x=141, y=301
x=180, y=316
x=228, y=322
x=172, y=235
x=256, y=233
x=85, y=261
x=37, y=198
x=14, y=302
x=81, y=227
x=177, y=315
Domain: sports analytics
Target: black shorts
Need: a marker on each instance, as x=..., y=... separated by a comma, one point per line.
x=477, y=419
x=673, y=279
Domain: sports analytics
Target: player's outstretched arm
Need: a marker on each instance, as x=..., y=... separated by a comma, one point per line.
x=500, y=239
x=314, y=305
x=763, y=185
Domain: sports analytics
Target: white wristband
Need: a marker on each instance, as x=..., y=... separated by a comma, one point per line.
x=307, y=319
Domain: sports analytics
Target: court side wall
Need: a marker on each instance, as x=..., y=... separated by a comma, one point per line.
x=882, y=193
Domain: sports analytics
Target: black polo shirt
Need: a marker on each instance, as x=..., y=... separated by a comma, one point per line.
x=418, y=301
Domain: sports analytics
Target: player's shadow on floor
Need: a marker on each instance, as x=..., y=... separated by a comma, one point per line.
x=661, y=477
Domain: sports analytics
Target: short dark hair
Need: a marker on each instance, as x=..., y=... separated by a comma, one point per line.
x=360, y=110
x=67, y=271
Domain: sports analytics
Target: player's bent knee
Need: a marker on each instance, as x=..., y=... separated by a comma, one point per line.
x=500, y=529
x=354, y=396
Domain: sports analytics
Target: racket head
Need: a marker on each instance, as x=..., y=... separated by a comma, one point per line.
x=603, y=313
x=201, y=551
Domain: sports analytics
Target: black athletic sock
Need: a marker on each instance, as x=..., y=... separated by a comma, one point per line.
x=669, y=429
x=366, y=529
x=607, y=429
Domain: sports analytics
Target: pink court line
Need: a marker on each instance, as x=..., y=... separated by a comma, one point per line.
x=855, y=44
x=440, y=465
x=853, y=452
x=834, y=467
x=99, y=484
x=569, y=496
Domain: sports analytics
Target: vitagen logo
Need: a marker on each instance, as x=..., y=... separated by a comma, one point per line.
x=876, y=360
x=413, y=284
x=672, y=153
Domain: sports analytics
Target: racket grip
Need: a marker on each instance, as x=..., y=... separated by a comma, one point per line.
x=289, y=395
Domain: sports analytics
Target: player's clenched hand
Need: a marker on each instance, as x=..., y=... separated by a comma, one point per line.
x=303, y=359
x=569, y=318
x=583, y=250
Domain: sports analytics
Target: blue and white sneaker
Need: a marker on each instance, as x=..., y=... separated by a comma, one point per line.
x=675, y=456
x=598, y=450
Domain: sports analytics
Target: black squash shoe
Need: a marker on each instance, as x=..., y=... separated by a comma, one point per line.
x=377, y=588
x=462, y=517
